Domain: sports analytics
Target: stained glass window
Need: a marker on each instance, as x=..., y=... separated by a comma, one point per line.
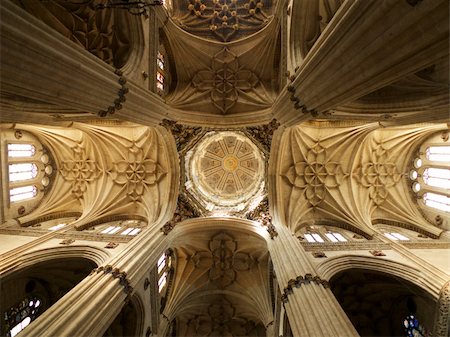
x=160, y=72
x=20, y=316
x=412, y=327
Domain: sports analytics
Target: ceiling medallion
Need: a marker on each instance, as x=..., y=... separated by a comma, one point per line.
x=225, y=172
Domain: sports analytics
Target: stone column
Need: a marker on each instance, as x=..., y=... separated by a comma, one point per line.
x=42, y=71
x=312, y=309
x=90, y=307
x=368, y=45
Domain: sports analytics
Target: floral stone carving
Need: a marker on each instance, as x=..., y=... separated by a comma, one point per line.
x=225, y=81
x=225, y=19
x=80, y=171
x=378, y=175
x=223, y=260
x=136, y=173
x=315, y=175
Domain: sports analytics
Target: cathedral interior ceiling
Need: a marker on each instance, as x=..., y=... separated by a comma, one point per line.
x=351, y=175
x=224, y=75
x=221, y=271
x=114, y=170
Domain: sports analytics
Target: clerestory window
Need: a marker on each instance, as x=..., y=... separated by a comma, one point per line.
x=431, y=177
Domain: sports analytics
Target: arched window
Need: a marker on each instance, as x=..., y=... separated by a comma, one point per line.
x=28, y=170
x=430, y=175
x=164, y=268
x=21, y=150
x=160, y=72
x=23, y=171
x=22, y=193
x=21, y=315
x=412, y=327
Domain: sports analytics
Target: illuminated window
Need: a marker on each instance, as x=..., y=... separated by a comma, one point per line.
x=164, y=267
x=437, y=177
x=21, y=150
x=111, y=230
x=313, y=237
x=22, y=193
x=22, y=171
x=396, y=236
x=160, y=74
x=55, y=228
x=438, y=153
x=127, y=227
x=431, y=176
x=413, y=328
x=335, y=237
x=437, y=201
x=20, y=316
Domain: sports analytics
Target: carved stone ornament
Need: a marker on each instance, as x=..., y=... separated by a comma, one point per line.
x=378, y=175
x=80, y=171
x=442, y=321
x=121, y=93
x=319, y=254
x=67, y=242
x=263, y=133
x=315, y=174
x=105, y=34
x=225, y=81
x=111, y=245
x=117, y=274
x=377, y=253
x=224, y=20
x=137, y=173
x=300, y=281
x=183, y=134
x=262, y=215
x=183, y=211
x=223, y=260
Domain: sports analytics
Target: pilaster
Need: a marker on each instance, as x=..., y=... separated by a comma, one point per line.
x=312, y=309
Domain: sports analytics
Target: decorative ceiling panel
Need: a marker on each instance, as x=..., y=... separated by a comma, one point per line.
x=223, y=20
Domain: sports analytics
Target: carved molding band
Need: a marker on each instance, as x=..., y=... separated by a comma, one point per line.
x=120, y=96
x=298, y=105
x=442, y=322
x=117, y=274
x=298, y=282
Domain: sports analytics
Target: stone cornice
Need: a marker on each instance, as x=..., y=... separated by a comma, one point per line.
x=367, y=245
x=68, y=235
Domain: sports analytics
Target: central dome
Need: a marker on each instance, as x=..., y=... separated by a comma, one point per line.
x=225, y=171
